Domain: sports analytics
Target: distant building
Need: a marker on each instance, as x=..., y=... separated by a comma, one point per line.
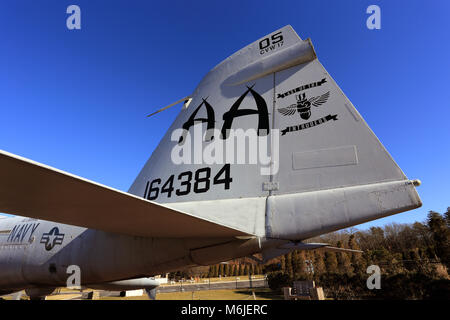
x=162, y=278
x=303, y=290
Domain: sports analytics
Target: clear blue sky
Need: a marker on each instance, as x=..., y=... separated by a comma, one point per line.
x=77, y=100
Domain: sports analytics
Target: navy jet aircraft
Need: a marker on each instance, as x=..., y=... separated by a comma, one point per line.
x=332, y=173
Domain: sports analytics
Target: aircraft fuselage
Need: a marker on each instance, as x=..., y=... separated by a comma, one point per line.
x=37, y=253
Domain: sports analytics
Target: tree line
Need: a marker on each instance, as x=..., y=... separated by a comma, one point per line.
x=414, y=260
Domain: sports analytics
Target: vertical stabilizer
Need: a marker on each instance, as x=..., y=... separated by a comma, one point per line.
x=328, y=170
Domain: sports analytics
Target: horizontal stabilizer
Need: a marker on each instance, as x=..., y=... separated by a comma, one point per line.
x=336, y=249
x=34, y=190
x=288, y=247
x=315, y=246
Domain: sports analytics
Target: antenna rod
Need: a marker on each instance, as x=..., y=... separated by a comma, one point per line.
x=170, y=105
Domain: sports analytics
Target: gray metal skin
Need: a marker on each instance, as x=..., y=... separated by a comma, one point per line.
x=102, y=257
x=333, y=173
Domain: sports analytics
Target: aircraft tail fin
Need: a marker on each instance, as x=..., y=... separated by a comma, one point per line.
x=324, y=141
x=333, y=171
x=327, y=170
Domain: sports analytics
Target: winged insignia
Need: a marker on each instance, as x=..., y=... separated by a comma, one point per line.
x=303, y=106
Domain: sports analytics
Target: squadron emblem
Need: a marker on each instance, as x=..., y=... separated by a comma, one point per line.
x=303, y=108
